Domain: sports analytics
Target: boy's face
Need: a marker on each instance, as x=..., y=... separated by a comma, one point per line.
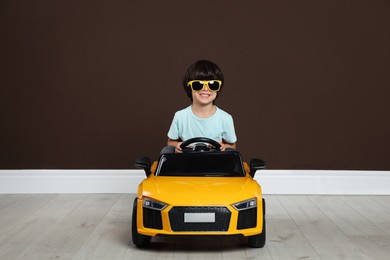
x=204, y=91
x=204, y=97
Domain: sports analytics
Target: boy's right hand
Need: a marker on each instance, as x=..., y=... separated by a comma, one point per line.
x=176, y=144
x=178, y=148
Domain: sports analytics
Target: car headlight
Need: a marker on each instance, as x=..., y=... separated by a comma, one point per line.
x=153, y=204
x=246, y=204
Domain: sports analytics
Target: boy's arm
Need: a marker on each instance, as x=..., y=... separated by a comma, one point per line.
x=176, y=144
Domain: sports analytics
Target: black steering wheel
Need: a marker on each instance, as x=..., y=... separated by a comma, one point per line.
x=203, y=147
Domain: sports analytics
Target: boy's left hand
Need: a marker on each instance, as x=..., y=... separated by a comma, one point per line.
x=225, y=145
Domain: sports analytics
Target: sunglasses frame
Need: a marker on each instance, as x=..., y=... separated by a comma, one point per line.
x=204, y=83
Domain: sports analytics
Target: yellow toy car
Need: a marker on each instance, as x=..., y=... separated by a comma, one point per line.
x=201, y=191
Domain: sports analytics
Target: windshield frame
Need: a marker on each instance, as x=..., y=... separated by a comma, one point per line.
x=237, y=172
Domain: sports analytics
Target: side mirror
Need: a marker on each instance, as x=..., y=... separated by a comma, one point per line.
x=144, y=163
x=256, y=164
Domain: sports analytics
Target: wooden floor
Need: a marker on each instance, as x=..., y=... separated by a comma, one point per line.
x=97, y=226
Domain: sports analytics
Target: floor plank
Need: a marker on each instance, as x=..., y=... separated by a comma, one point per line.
x=383, y=200
x=98, y=226
x=323, y=235
x=8, y=200
x=18, y=210
x=31, y=227
x=372, y=210
x=347, y=219
x=376, y=247
x=285, y=239
x=111, y=238
x=371, y=239
x=67, y=237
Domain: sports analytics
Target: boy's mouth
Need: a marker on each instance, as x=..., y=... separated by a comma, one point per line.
x=205, y=94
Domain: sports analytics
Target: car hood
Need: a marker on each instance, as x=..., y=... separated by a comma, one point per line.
x=199, y=190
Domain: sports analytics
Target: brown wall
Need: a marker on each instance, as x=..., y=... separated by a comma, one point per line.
x=95, y=84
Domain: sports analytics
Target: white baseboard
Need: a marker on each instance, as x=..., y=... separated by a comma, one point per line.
x=126, y=181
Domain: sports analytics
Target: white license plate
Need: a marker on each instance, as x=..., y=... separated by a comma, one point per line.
x=199, y=217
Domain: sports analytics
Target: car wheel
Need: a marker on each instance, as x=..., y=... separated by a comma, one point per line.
x=258, y=241
x=138, y=239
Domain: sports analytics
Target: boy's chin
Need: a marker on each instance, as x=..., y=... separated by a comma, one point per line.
x=205, y=102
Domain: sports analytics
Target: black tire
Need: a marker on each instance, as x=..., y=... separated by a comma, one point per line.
x=258, y=241
x=138, y=239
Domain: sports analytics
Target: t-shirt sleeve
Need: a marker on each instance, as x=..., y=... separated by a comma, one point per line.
x=229, y=133
x=173, y=132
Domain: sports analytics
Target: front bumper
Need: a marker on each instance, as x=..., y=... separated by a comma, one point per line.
x=212, y=220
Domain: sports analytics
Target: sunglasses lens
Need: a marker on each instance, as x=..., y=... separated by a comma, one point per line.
x=196, y=86
x=214, y=85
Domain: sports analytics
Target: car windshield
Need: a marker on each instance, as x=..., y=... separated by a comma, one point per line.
x=213, y=164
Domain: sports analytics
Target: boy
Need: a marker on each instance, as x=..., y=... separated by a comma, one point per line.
x=202, y=82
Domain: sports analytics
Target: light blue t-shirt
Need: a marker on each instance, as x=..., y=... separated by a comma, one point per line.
x=186, y=125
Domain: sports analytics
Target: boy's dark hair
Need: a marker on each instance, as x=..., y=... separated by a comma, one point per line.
x=202, y=69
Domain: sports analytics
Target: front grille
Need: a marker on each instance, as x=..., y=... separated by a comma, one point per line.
x=152, y=218
x=247, y=218
x=221, y=223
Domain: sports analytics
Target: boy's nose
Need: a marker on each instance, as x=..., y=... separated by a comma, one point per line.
x=206, y=87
